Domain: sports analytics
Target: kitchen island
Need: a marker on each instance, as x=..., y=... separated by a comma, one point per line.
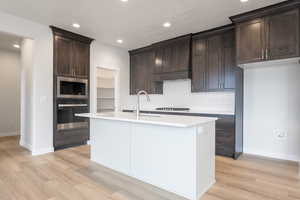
x=175, y=153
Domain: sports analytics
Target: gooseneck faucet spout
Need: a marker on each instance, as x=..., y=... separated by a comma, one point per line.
x=138, y=106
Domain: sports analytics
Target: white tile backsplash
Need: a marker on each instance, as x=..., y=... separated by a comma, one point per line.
x=177, y=93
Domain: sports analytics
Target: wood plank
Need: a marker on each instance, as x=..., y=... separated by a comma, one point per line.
x=70, y=175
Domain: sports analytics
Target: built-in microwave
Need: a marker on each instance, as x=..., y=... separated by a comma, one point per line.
x=75, y=88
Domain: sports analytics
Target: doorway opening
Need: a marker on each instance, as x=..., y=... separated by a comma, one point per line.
x=16, y=61
x=106, y=90
x=10, y=85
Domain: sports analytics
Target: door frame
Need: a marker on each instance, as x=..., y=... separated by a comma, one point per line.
x=93, y=89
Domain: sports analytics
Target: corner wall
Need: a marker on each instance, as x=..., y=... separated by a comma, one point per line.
x=272, y=104
x=40, y=73
x=27, y=93
x=109, y=57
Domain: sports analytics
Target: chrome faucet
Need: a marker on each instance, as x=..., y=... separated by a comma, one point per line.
x=138, y=106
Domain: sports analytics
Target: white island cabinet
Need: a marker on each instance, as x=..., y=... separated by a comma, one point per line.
x=175, y=153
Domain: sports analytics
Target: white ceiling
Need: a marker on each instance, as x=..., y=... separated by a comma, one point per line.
x=7, y=41
x=137, y=22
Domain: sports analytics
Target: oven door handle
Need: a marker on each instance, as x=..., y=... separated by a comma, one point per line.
x=72, y=105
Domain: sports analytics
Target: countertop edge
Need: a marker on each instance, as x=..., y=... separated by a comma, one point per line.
x=182, y=113
x=176, y=125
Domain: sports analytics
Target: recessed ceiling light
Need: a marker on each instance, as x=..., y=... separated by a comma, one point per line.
x=167, y=24
x=75, y=25
x=124, y=0
x=243, y=1
x=119, y=41
x=16, y=46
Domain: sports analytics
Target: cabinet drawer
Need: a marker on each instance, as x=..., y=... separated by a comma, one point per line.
x=225, y=136
x=68, y=137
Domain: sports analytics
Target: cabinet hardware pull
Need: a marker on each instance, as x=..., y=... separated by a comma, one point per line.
x=262, y=54
x=71, y=105
x=267, y=53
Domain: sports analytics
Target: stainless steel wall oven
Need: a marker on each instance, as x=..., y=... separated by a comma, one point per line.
x=66, y=119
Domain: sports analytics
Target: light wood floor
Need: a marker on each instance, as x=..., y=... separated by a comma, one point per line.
x=69, y=175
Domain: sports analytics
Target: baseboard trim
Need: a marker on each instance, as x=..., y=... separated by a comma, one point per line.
x=42, y=151
x=206, y=189
x=293, y=158
x=25, y=145
x=15, y=133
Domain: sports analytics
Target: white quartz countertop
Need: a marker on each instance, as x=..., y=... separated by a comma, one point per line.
x=163, y=120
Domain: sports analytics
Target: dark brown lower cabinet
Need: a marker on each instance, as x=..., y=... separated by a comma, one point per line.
x=229, y=133
x=229, y=137
x=71, y=137
x=225, y=136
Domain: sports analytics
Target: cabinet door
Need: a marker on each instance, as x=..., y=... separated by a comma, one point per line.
x=141, y=72
x=229, y=62
x=173, y=56
x=225, y=136
x=214, y=59
x=63, y=56
x=250, y=41
x=134, y=76
x=169, y=58
x=159, y=60
x=81, y=59
x=199, y=62
x=283, y=35
x=147, y=63
x=181, y=54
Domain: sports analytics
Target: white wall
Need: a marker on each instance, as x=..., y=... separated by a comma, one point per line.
x=110, y=57
x=10, y=67
x=178, y=94
x=272, y=102
x=40, y=73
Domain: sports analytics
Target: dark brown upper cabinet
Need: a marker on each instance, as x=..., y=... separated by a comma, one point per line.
x=213, y=60
x=199, y=64
x=268, y=33
x=172, y=59
x=71, y=54
x=250, y=38
x=141, y=72
x=63, y=56
x=229, y=60
x=282, y=35
x=81, y=59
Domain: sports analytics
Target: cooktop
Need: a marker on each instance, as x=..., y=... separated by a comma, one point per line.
x=172, y=109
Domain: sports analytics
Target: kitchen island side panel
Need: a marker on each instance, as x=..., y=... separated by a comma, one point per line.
x=164, y=156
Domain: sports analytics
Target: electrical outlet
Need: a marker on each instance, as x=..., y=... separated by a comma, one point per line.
x=280, y=134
